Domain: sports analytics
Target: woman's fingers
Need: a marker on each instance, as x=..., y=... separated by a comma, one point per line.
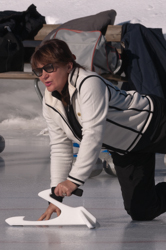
x=65, y=188
x=42, y=217
x=48, y=216
x=58, y=211
x=49, y=211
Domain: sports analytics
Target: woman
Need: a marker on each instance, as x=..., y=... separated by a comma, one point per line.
x=81, y=106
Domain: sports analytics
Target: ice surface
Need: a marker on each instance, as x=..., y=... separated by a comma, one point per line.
x=20, y=108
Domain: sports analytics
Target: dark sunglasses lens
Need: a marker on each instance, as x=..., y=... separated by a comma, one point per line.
x=48, y=68
x=37, y=72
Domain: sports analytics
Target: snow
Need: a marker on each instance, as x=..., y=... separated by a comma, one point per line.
x=21, y=110
x=150, y=13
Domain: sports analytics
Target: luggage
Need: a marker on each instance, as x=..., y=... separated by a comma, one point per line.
x=91, y=50
x=11, y=52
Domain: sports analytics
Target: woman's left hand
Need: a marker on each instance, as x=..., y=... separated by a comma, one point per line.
x=65, y=188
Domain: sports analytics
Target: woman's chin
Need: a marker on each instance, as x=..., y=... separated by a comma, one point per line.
x=50, y=88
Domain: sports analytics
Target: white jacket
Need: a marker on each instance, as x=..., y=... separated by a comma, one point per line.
x=110, y=117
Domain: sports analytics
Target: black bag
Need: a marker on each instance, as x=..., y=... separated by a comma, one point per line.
x=11, y=52
x=24, y=24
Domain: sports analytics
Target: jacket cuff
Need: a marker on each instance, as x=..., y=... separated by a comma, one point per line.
x=75, y=181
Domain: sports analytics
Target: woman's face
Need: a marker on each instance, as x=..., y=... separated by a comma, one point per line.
x=57, y=79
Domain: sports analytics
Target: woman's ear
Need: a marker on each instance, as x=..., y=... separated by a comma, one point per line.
x=69, y=66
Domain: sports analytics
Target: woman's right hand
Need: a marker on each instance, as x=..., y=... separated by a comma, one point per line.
x=49, y=211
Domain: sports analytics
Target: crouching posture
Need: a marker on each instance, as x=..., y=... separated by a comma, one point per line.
x=81, y=106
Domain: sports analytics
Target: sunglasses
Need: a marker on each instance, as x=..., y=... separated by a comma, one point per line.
x=49, y=68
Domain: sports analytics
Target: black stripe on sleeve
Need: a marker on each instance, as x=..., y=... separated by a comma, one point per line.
x=74, y=179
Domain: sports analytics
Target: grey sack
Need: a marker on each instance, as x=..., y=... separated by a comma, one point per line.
x=91, y=50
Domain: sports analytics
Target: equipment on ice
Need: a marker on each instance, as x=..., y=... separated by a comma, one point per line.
x=2, y=143
x=69, y=215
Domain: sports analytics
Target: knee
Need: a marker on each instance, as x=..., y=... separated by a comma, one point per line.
x=140, y=214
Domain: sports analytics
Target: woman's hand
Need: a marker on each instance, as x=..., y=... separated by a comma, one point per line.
x=65, y=188
x=49, y=211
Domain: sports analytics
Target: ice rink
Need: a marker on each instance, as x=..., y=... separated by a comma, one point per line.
x=24, y=163
x=24, y=172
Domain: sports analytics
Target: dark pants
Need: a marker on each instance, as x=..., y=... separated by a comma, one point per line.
x=143, y=200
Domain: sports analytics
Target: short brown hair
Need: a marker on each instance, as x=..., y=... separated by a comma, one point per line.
x=53, y=51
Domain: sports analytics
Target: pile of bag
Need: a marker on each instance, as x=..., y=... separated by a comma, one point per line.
x=14, y=28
